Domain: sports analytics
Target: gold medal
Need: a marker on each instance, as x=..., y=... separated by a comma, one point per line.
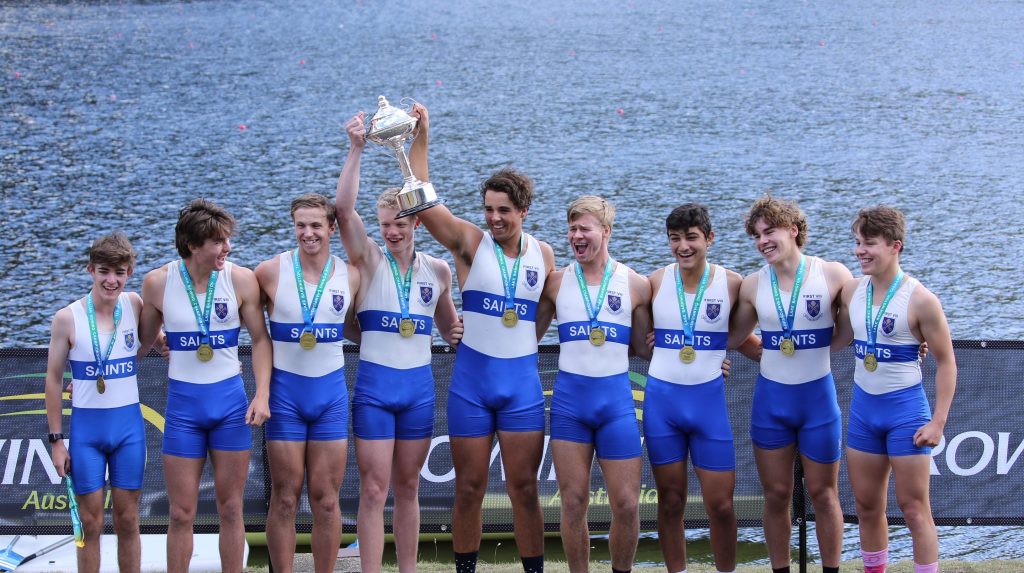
x=307, y=340
x=687, y=354
x=407, y=327
x=870, y=362
x=510, y=318
x=204, y=352
x=101, y=386
x=597, y=336
x=788, y=347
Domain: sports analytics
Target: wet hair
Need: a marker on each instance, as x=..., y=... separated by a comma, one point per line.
x=689, y=215
x=515, y=184
x=113, y=250
x=389, y=198
x=315, y=201
x=778, y=213
x=881, y=221
x=602, y=210
x=198, y=221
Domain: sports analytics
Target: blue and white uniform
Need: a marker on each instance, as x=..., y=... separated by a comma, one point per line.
x=206, y=401
x=684, y=404
x=593, y=398
x=495, y=383
x=308, y=396
x=795, y=396
x=394, y=395
x=106, y=429
x=889, y=405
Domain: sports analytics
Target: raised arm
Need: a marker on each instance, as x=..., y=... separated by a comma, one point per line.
x=250, y=311
x=642, y=322
x=457, y=235
x=360, y=248
x=61, y=331
x=934, y=331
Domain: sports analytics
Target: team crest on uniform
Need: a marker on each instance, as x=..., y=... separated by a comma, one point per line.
x=813, y=308
x=713, y=310
x=221, y=310
x=614, y=302
x=426, y=294
x=129, y=340
x=531, y=278
x=888, y=324
x=338, y=301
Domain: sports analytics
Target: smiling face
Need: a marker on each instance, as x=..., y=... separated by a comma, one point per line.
x=690, y=247
x=774, y=243
x=312, y=230
x=588, y=238
x=213, y=253
x=875, y=254
x=108, y=280
x=504, y=219
x=397, y=234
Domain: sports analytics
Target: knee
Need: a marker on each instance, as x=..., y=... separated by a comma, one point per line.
x=625, y=509
x=720, y=509
x=181, y=515
x=92, y=524
x=469, y=490
x=126, y=521
x=284, y=502
x=917, y=514
x=671, y=505
x=778, y=496
x=373, y=492
x=522, y=490
x=229, y=509
x=324, y=503
x=407, y=490
x=823, y=495
x=574, y=504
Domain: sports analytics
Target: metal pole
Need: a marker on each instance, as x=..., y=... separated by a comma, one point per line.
x=800, y=511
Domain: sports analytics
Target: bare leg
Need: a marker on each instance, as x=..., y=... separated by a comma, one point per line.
x=823, y=486
x=374, y=458
x=775, y=468
x=325, y=470
x=869, y=477
x=622, y=478
x=410, y=456
x=287, y=469
x=573, y=462
x=229, y=472
x=717, y=488
x=126, y=525
x=671, y=482
x=181, y=477
x=520, y=456
x=912, y=481
x=90, y=510
x=470, y=456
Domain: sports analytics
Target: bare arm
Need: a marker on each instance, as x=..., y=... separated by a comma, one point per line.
x=934, y=330
x=842, y=336
x=642, y=323
x=743, y=317
x=836, y=276
x=250, y=311
x=449, y=324
x=457, y=235
x=546, y=304
x=61, y=331
x=152, y=317
x=361, y=250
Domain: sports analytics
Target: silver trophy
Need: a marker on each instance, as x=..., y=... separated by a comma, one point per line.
x=391, y=127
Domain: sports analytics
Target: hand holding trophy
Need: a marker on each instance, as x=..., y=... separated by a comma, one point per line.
x=391, y=127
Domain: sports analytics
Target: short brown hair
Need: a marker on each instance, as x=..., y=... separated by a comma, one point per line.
x=881, y=221
x=198, y=221
x=113, y=250
x=602, y=210
x=315, y=201
x=778, y=213
x=389, y=198
x=515, y=184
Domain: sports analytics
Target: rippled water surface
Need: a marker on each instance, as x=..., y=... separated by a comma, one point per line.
x=115, y=114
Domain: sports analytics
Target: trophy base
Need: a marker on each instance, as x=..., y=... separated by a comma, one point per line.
x=421, y=207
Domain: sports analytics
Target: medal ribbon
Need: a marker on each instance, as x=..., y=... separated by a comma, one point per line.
x=509, y=282
x=202, y=316
x=786, y=319
x=690, y=319
x=872, y=326
x=90, y=312
x=309, y=308
x=403, y=286
x=592, y=312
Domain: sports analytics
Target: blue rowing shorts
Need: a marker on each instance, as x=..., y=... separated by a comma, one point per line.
x=304, y=408
x=596, y=410
x=885, y=424
x=202, y=417
x=681, y=419
x=807, y=414
x=392, y=403
x=488, y=393
x=102, y=437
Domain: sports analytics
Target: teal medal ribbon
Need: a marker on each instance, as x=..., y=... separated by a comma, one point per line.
x=101, y=357
x=205, y=351
x=307, y=340
x=597, y=336
x=688, y=353
x=510, y=318
x=406, y=327
x=788, y=347
x=870, y=358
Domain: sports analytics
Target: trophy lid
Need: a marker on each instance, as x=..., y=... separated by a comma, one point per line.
x=389, y=123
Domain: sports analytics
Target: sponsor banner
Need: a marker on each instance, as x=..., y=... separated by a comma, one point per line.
x=976, y=470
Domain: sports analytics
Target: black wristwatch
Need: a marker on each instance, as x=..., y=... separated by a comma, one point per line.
x=54, y=437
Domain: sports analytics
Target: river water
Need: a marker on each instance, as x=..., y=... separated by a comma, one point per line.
x=115, y=114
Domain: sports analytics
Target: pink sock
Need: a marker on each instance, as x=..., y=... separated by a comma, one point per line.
x=932, y=568
x=875, y=561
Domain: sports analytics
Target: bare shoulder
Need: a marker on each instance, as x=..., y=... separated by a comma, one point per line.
x=924, y=301
x=849, y=287
x=63, y=319
x=837, y=273
x=442, y=270
x=267, y=271
x=136, y=301
x=639, y=286
x=732, y=278
x=157, y=276
x=748, y=288
x=548, y=253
